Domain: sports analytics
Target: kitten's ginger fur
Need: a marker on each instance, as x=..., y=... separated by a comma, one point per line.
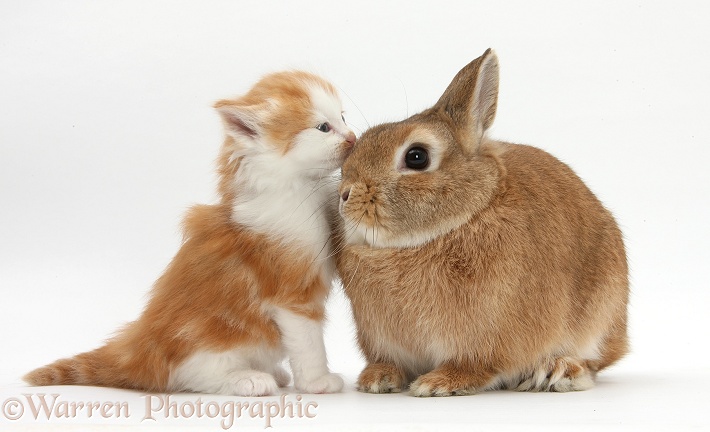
x=248, y=285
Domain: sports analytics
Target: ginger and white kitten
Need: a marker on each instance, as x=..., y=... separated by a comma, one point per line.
x=248, y=286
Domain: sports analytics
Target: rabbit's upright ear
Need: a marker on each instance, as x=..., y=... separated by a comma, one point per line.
x=472, y=98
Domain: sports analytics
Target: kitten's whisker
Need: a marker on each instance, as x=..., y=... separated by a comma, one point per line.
x=320, y=252
x=337, y=248
x=356, y=107
x=316, y=187
x=359, y=131
x=315, y=212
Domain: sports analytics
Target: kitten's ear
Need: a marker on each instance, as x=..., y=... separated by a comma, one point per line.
x=471, y=99
x=239, y=120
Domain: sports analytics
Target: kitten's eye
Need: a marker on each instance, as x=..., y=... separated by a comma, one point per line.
x=417, y=158
x=342, y=116
x=323, y=127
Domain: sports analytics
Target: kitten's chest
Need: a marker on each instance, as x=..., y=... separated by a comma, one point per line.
x=297, y=216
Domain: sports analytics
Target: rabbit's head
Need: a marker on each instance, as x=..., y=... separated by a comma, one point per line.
x=408, y=182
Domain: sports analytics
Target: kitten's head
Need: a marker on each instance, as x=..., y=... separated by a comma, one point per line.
x=290, y=123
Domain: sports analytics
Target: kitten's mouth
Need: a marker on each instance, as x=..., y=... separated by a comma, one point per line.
x=333, y=163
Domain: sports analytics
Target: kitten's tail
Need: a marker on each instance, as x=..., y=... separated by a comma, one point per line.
x=89, y=368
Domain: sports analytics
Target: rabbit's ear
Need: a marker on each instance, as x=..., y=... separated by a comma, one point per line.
x=472, y=98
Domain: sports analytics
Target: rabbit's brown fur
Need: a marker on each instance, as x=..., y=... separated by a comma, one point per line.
x=494, y=267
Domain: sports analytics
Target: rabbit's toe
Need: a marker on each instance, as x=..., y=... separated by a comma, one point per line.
x=453, y=380
x=381, y=378
x=433, y=384
x=570, y=374
x=562, y=374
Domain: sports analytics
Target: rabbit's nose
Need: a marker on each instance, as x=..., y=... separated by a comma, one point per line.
x=346, y=194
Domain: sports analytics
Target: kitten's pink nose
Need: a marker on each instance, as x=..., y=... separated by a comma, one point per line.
x=350, y=138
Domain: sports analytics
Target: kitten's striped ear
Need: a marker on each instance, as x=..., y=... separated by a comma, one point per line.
x=241, y=120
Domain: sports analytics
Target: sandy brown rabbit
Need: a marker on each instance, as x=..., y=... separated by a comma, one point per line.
x=473, y=264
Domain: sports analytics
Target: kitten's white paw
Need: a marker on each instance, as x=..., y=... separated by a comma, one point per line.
x=251, y=383
x=328, y=383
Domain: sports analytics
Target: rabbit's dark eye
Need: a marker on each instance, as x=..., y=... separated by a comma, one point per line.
x=323, y=127
x=417, y=158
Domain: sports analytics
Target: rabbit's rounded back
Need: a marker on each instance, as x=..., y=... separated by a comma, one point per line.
x=490, y=256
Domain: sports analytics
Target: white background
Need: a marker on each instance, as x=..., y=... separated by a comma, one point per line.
x=107, y=136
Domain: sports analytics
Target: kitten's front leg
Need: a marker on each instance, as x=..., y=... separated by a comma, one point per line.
x=303, y=339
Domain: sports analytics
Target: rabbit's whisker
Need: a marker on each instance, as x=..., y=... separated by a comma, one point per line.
x=344, y=241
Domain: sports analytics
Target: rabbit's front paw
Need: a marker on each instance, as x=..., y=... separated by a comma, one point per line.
x=446, y=381
x=328, y=383
x=381, y=378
